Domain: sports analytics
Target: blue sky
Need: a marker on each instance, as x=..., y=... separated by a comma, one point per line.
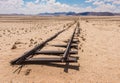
x=64, y=1
x=69, y=2
x=75, y=2
x=41, y=6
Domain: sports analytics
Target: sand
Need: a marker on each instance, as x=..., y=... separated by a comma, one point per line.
x=99, y=56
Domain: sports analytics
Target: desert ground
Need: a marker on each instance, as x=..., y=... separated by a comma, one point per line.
x=98, y=49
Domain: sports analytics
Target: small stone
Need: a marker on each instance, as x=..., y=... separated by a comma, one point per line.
x=27, y=71
x=87, y=21
x=17, y=42
x=40, y=38
x=35, y=42
x=83, y=38
x=14, y=47
x=79, y=47
x=25, y=30
x=31, y=40
x=8, y=30
x=82, y=50
x=30, y=45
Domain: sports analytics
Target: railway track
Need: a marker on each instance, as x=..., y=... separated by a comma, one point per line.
x=59, y=56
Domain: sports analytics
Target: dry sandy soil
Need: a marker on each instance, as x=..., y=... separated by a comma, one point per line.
x=99, y=56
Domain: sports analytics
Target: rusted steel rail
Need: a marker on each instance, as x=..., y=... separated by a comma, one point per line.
x=27, y=57
x=32, y=51
x=67, y=54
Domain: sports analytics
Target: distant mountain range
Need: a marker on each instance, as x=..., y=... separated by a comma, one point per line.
x=73, y=14
x=80, y=14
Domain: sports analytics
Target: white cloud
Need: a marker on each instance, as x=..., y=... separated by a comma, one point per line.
x=10, y=6
x=88, y=1
x=98, y=3
x=116, y=2
x=18, y=6
x=38, y=6
x=37, y=1
x=105, y=5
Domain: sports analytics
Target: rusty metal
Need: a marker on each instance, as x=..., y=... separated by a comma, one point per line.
x=67, y=54
x=72, y=46
x=28, y=59
x=46, y=60
x=32, y=51
x=54, y=52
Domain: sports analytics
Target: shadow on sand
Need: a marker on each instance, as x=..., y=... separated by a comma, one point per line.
x=66, y=66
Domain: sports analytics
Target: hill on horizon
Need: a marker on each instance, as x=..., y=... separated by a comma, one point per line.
x=71, y=13
x=81, y=14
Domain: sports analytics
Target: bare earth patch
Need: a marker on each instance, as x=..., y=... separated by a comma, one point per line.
x=98, y=49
